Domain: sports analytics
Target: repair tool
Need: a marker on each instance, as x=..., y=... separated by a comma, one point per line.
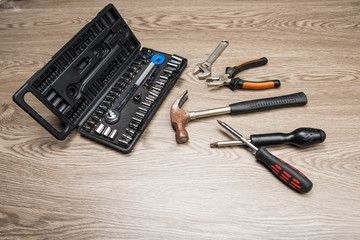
x=292, y=177
x=301, y=137
x=180, y=117
x=204, y=69
x=228, y=79
x=155, y=60
x=104, y=83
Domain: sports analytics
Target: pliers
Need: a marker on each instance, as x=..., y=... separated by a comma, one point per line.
x=228, y=79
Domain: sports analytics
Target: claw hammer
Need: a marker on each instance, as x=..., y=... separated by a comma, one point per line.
x=180, y=117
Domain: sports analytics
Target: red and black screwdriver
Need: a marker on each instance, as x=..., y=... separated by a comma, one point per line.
x=292, y=177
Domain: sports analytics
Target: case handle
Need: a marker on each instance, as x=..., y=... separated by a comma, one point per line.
x=20, y=100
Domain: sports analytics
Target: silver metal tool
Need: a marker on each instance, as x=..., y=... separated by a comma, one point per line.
x=147, y=104
x=113, y=134
x=133, y=125
x=112, y=116
x=127, y=137
x=99, y=128
x=139, y=115
x=107, y=131
x=204, y=69
x=177, y=58
x=131, y=132
x=173, y=65
x=172, y=61
x=143, y=109
x=123, y=142
x=137, y=83
x=163, y=77
x=160, y=83
x=154, y=94
x=156, y=89
x=150, y=98
x=137, y=120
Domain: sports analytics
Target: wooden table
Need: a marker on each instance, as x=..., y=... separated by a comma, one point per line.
x=79, y=189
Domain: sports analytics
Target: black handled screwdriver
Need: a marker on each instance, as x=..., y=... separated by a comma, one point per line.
x=292, y=177
x=301, y=137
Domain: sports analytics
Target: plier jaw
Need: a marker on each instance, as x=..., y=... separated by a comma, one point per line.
x=219, y=80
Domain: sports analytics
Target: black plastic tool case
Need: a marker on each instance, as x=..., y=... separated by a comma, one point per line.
x=93, y=73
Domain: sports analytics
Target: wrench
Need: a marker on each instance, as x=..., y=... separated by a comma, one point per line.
x=205, y=67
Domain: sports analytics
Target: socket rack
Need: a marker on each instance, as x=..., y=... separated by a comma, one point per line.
x=103, y=83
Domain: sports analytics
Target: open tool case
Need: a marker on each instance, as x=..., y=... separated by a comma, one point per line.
x=99, y=70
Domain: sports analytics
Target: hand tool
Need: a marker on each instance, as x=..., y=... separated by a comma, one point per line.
x=173, y=61
x=169, y=71
x=150, y=98
x=205, y=67
x=292, y=177
x=99, y=113
x=147, y=103
x=173, y=65
x=91, y=123
x=106, y=131
x=137, y=120
x=87, y=128
x=139, y=115
x=123, y=142
x=301, y=137
x=164, y=78
x=143, y=109
x=154, y=94
x=155, y=60
x=228, y=79
x=107, y=103
x=99, y=128
x=177, y=58
x=151, y=77
x=137, y=97
x=137, y=64
x=113, y=134
x=179, y=117
x=127, y=137
x=156, y=89
x=131, y=132
x=112, y=116
x=160, y=83
x=133, y=125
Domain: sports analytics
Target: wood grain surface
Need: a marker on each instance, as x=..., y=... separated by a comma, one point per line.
x=79, y=189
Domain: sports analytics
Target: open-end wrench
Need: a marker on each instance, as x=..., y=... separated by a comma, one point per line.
x=205, y=67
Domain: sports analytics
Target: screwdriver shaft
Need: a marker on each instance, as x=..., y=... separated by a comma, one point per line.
x=229, y=143
x=238, y=135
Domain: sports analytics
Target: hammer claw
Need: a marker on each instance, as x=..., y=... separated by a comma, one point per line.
x=182, y=99
x=179, y=118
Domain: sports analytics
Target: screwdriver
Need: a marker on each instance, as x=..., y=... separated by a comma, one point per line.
x=292, y=177
x=301, y=137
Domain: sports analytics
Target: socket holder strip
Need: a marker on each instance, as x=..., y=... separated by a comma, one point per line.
x=90, y=74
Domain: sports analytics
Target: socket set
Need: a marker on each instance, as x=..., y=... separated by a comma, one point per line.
x=103, y=83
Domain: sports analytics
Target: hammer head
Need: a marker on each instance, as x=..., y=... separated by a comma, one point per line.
x=179, y=118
